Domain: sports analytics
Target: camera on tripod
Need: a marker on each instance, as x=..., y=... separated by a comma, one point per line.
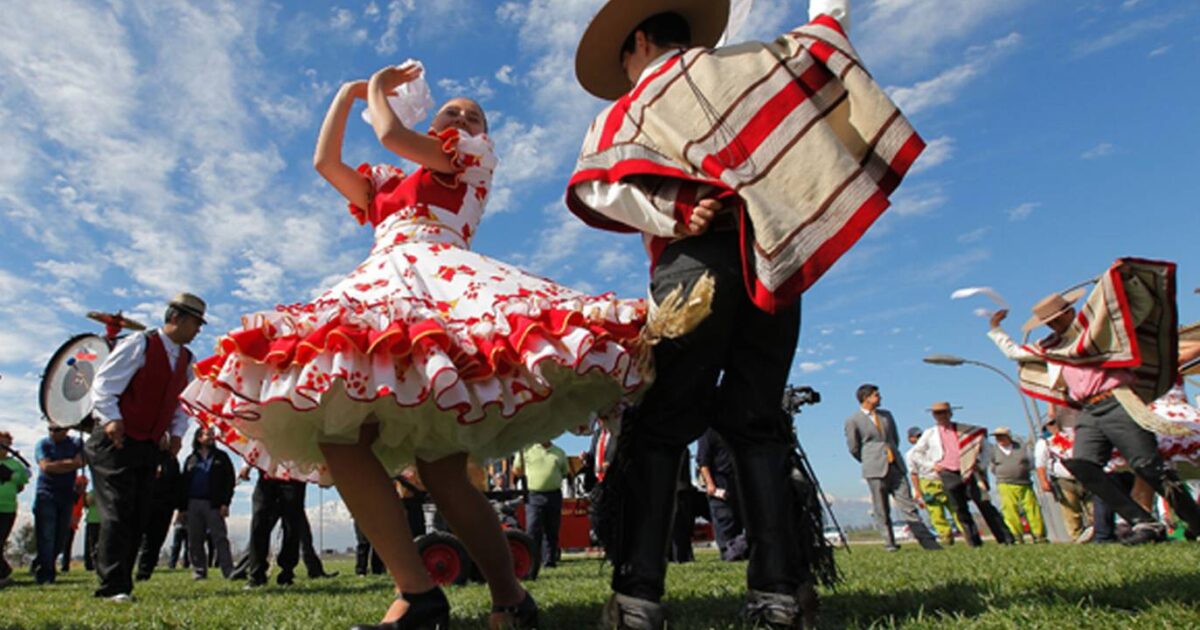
x=795, y=397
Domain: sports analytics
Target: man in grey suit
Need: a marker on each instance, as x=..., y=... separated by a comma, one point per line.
x=872, y=439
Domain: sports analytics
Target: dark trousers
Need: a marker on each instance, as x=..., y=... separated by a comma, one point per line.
x=1104, y=518
x=91, y=535
x=364, y=555
x=155, y=534
x=51, y=524
x=894, y=488
x=414, y=509
x=1106, y=425
x=543, y=516
x=726, y=517
x=179, y=550
x=65, y=550
x=729, y=373
x=681, y=530
x=124, y=482
x=273, y=500
x=6, y=524
x=308, y=553
x=961, y=493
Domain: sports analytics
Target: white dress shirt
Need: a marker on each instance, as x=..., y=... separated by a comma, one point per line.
x=117, y=371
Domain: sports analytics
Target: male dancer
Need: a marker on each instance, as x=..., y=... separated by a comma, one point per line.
x=1123, y=349
x=136, y=401
x=744, y=167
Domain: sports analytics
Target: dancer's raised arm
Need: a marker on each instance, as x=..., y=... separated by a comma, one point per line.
x=421, y=148
x=327, y=157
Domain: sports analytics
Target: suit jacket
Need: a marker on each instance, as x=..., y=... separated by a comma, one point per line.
x=869, y=445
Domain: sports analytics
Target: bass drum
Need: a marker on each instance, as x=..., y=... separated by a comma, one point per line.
x=66, y=391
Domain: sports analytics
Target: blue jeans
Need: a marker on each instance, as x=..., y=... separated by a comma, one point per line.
x=543, y=515
x=51, y=522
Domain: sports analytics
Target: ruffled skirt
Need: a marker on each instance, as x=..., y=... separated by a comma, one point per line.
x=447, y=350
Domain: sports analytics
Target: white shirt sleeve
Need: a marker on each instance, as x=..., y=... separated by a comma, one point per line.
x=1040, y=456
x=837, y=9
x=1008, y=347
x=628, y=204
x=114, y=376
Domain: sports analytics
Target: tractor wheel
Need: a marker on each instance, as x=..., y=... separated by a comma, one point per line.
x=445, y=558
x=527, y=561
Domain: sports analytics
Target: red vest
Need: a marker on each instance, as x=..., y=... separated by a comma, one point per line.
x=150, y=400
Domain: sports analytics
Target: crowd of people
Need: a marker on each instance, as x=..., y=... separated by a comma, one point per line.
x=429, y=355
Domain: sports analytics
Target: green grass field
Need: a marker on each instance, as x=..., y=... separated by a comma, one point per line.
x=1023, y=587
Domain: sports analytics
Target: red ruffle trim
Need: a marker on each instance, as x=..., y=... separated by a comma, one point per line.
x=460, y=161
x=495, y=355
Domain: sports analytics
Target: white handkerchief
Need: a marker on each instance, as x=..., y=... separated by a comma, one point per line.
x=412, y=101
x=987, y=292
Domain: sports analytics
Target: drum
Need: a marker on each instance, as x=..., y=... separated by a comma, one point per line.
x=66, y=390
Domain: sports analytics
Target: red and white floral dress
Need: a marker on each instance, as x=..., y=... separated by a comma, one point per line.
x=448, y=350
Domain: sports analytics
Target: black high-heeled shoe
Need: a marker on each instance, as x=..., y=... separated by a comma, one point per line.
x=524, y=615
x=426, y=611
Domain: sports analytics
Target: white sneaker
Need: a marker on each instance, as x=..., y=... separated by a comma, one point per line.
x=122, y=598
x=1085, y=536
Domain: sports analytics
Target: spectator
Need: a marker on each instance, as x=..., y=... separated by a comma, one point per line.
x=135, y=403
x=179, y=552
x=928, y=491
x=13, y=477
x=1053, y=477
x=874, y=441
x=91, y=533
x=166, y=500
x=544, y=467
x=364, y=555
x=58, y=457
x=81, y=485
x=720, y=485
x=1011, y=464
x=208, y=479
x=277, y=500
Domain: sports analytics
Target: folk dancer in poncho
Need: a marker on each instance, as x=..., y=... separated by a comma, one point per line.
x=427, y=352
x=752, y=166
x=1119, y=350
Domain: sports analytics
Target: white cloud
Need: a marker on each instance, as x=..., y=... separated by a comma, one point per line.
x=259, y=281
x=913, y=35
x=505, y=75
x=286, y=112
x=950, y=270
x=1104, y=149
x=808, y=367
x=937, y=151
x=1022, y=212
x=397, y=11
x=476, y=88
x=1129, y=32
x=1161, y=50
x=974, y=236
x=912, y=201
x=946, y=86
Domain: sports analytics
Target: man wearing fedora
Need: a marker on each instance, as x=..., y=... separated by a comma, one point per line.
x=1012, y=465
x=873, y=440
x=1105, y=364
x=135, y=403
x=741, y=166
x=958, y=453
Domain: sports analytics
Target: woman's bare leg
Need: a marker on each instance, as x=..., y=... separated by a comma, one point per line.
x=367, y=489
x=474, y=521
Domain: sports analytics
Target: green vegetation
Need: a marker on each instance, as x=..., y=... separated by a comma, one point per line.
x=1023, y=587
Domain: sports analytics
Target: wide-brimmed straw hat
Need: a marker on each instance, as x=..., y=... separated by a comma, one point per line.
x=941, y=406
x=1002, y=431
x=598, y=59
x=191, y=305
x=1052, y=306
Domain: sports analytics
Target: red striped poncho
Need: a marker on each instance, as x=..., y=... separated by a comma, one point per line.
x=795, y=132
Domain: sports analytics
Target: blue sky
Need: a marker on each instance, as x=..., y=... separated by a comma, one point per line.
x=158, y=146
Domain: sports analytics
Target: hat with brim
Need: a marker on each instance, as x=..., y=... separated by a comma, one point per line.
x=914, y=432
x=1005, y=431
x=598, y=59
x=191, y=305
x=941, y=406
x=1052, y=306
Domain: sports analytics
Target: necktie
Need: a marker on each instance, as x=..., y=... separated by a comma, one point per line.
x=890, y=454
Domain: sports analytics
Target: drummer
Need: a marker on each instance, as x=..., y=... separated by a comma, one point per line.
x=135, y=402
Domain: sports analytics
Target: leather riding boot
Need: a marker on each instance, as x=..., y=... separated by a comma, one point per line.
x=768, y=506
x=647, y=508
x=1166, y=483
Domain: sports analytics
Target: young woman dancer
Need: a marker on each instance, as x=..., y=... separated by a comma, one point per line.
x=426, y=352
